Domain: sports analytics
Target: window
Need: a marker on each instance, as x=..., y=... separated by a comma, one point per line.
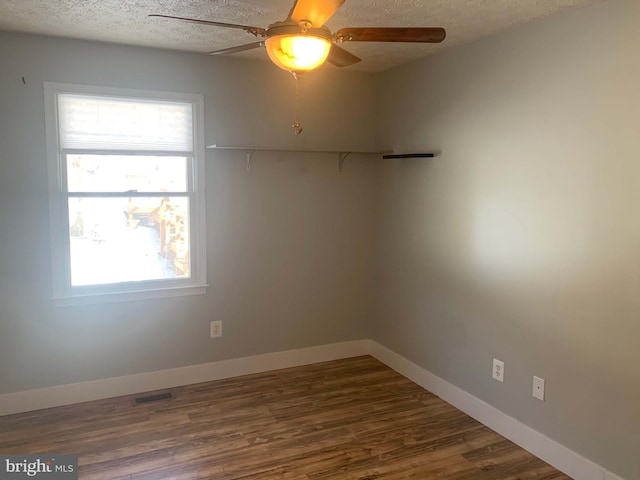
x=126, y=183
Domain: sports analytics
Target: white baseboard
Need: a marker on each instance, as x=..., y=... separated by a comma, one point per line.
x=540, y=445
x=40, y=398
x=543, y=447
x=611, y=476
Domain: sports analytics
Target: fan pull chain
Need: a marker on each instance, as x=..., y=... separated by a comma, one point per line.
x=297, y=128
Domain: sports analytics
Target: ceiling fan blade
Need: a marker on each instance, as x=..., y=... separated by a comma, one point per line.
x=375, y=34
x=315, y=11
x=257, y=31
x=339, y=57
x=240, y=48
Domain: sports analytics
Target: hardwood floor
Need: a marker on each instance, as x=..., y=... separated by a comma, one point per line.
x=350, y=419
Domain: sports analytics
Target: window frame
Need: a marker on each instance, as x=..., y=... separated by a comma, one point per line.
x=63, y=293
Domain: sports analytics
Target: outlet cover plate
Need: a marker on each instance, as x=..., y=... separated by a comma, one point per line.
x=538, y=388
x=498, y=370
x=216, y=329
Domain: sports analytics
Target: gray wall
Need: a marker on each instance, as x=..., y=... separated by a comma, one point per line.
x=521, y=241
x=288, y=244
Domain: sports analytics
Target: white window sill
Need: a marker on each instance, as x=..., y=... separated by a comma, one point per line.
x=114, y=297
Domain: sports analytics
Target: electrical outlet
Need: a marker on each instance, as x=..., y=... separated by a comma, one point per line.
x=498, y=370
x=538, y=388
x=216, y=329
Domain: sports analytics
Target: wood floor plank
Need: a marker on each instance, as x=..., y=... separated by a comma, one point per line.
x=352, y=419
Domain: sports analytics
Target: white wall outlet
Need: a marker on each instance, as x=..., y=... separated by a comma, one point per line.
x=538, y=388
x=498, y=370
x=216, y=329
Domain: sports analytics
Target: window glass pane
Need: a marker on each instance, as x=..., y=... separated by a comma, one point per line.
x=121, y=173
x=108, y=123
x=128, y=239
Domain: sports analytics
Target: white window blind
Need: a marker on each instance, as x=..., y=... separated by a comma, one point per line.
x=107, y=123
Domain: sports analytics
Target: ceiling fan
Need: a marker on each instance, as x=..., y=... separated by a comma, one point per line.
x=302, y=42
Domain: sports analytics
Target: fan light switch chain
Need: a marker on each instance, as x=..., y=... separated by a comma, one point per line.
x=297, y=128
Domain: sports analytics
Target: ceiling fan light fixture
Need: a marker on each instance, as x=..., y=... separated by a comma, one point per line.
x=298, y=52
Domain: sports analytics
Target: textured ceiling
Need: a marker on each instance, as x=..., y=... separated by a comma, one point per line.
x=126, y=21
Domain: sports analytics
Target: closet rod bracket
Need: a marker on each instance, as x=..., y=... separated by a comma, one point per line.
x=342, y=156
x=249, y=158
